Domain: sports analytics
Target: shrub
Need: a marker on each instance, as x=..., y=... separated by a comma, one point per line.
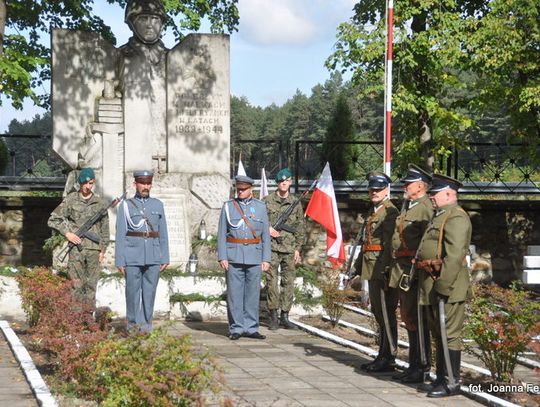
x=333, y=298
x=155, y=369
x=59, y=323
x=502, y=322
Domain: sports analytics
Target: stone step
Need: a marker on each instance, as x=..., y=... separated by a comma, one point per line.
x=531, y=276
x=533, y=250
x=531, y=262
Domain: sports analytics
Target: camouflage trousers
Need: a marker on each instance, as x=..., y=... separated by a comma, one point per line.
x=83, y=269
x=281, y=292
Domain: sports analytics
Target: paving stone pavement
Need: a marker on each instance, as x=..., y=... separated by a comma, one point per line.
x=14, y=389
x=294, y=369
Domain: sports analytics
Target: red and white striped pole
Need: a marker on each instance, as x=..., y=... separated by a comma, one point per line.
x=388, y=88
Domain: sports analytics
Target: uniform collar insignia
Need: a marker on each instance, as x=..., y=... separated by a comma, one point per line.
x=412, y=204
x=440, y=212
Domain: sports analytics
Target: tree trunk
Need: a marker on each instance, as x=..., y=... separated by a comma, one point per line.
x=426, y=140
x=419, y=25
x=3, y=17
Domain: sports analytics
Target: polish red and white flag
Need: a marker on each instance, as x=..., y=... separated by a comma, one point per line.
x=322, y=208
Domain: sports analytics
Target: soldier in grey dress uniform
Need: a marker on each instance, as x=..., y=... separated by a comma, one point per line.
x=142, y=250
x=244, y=252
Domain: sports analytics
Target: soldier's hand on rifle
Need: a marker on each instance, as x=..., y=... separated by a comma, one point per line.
x=297, y=257
x=274, y=232
x=73, y=238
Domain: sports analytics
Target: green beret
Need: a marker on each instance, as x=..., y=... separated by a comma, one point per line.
x=86, y=175
x=283, y=175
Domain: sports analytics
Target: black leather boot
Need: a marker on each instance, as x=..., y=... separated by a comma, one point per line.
x=439, y=370
x=367, y=366
x=386, y=361
x=413, y=357
x=274, y=323
x=284, y=321
x=445, y=389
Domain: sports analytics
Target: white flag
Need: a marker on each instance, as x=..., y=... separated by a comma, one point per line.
x=241, y=170
x=264, y=185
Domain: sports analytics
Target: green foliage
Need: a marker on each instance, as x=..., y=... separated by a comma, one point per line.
x=502, y=322
x=453, y=64
x=305, y=296
x=309, y=274
x=25, y=64
x=157, y=369
x=56, y=240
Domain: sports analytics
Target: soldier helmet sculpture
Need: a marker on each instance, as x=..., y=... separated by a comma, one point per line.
x=135, y=8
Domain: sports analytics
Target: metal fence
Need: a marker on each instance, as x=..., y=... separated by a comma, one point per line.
x=28, y=162
x=485, y=168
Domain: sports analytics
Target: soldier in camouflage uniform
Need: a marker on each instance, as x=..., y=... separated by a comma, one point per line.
x=286, y=247
x=410, y=226
x=85, y=258
x=444, y=279
x=375, y=267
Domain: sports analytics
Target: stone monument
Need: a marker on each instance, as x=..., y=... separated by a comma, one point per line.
x=144, y=106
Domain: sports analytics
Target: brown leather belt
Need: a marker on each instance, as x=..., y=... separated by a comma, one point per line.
x=404, y=253
x=146, y=235
x=373, y=247
x=244, y=241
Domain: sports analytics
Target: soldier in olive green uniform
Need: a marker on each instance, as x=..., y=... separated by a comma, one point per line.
x=286, y=247
x=375, y=261
x=444, y=278
x=410, y=227
x=70, y=215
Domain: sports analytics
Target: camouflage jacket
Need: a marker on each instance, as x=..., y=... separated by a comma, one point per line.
x=290, y=241
x=73, y=211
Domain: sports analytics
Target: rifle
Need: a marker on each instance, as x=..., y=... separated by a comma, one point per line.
x=281, y=223
x=84, y=231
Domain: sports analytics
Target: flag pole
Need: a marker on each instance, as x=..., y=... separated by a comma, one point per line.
x=387, y=145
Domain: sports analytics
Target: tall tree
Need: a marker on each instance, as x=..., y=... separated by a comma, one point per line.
x=428, y=40
x=334, y=149
x=503, y=49
x=25, y=61
x=495, y=42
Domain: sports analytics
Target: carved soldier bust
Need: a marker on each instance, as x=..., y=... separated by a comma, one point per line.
x=146, y=19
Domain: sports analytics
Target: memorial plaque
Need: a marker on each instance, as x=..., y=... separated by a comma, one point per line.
x=198, y=105
x=175, y=200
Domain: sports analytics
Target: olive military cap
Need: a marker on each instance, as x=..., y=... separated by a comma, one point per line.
x=415, y=173
x=378, y=180
x=442, y=182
